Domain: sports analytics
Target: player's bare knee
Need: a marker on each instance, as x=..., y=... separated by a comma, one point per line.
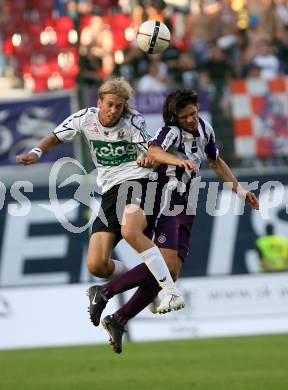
x=98, y=268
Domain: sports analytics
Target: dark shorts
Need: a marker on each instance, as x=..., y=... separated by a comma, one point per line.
x=172, y=231
x=141, y=192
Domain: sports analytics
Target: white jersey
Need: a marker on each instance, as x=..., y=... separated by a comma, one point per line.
x=114, y=150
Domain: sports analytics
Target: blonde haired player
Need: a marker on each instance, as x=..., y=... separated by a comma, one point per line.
x=117, y=137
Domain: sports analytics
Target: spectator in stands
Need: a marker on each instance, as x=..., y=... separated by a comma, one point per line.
x=267, y=61
x=257, y=32
x=91, y=69
x=217, y=65
x=253, y=71
x=200, y=28
x=153, y=10
x=237, y=53
x=281, y=48
x=170, y=56
x=156, y=80
x=219, y=71
x=96, y=41
x=225, y=19
x=82, y=7
x=135, y=64
x=185, y=72
x=273, y=251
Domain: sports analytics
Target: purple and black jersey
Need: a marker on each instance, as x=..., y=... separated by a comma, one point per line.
x=196, y=147
x=172, y=232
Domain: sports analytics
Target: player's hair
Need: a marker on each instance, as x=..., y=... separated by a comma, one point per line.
x=176, y=101
x=117, y=86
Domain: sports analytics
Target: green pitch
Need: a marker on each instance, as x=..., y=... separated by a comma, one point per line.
x=242, y=363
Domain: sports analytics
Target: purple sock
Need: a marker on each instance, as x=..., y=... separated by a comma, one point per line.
x=132, y=278
x=142, y=297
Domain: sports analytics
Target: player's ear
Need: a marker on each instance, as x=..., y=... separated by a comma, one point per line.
x=99, y=103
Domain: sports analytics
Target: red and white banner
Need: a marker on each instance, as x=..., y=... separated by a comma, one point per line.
x=260, y=113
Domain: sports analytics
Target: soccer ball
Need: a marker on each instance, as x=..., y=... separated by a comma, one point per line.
x=153, y=37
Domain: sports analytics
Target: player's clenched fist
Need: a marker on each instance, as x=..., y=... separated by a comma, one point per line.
x=29, y=158
x=188, y=164
x=252, y=200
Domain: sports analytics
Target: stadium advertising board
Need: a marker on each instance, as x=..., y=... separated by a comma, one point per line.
x=49, y=316
x=224, y=306
x=35, y=247
x=44, y=229
x=221, y=306
x=23, y=122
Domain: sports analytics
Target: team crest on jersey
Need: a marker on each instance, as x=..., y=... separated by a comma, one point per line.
x=162, y=238
x=94, y=130
x=121, y=133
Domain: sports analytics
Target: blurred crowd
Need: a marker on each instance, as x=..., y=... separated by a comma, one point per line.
x=55, y=44
x=212, y=41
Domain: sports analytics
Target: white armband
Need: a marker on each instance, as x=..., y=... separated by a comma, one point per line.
x=37, y=151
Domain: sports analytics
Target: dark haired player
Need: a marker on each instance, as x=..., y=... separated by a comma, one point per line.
x=185, y=140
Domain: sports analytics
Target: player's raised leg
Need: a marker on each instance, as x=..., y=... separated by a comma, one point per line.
x=146, y=292
x=133, y=225
x=101, y=265
x=99, y=260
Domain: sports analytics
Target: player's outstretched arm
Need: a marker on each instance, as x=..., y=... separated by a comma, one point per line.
x=44, y=146
x=224, y=172
x=160, y=156
x=146, y=162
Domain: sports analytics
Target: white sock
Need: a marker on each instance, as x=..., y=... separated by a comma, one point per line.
x=120, y=269
x=157, y=266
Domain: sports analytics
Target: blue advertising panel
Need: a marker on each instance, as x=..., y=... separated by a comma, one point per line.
x=36, y=246
x=24, y=122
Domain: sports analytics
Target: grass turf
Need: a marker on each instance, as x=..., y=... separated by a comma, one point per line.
x=240, y=363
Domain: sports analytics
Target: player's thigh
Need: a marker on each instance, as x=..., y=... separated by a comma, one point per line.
x=139, y=206
x=100, y=247
x=134, y=220
x=172, y=260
